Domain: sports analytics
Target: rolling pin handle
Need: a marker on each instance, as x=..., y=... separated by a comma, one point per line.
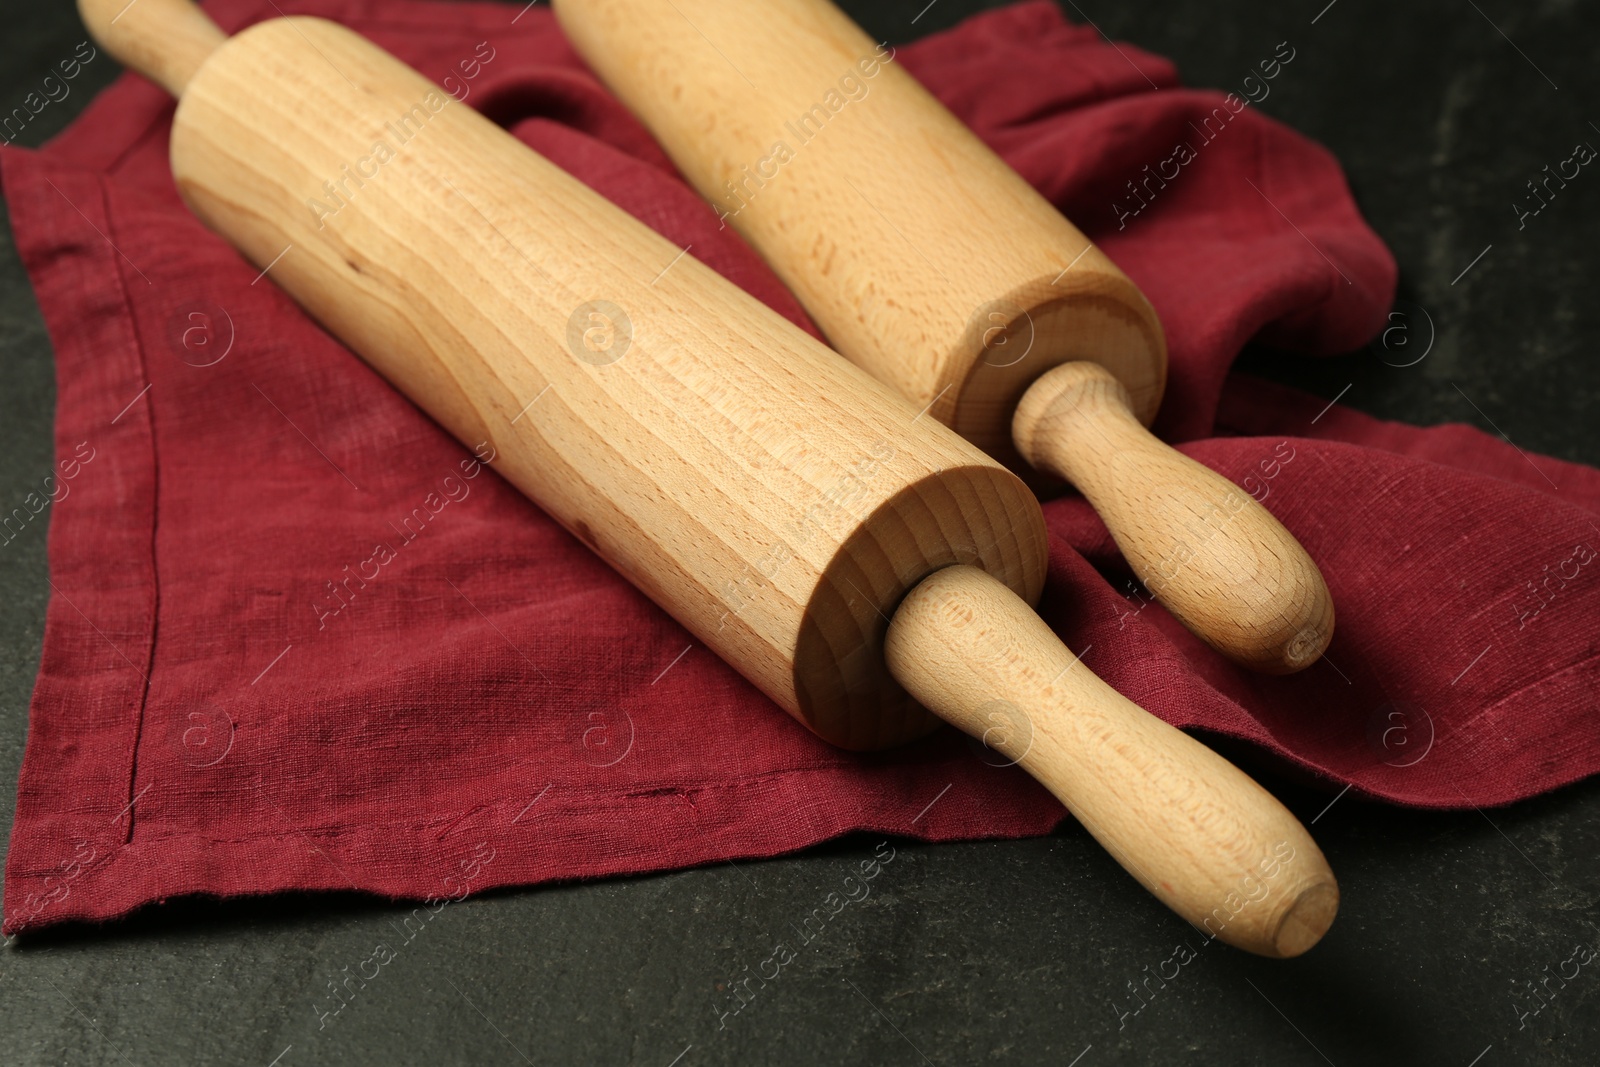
x=1196, y=831
x=1215, y=557
x=165, y=40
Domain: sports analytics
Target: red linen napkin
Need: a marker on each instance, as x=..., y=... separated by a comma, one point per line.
x=299, y=638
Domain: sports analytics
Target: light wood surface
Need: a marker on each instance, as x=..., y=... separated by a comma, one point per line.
x=929, y=262
x=1193, y=829
x=779, y=502
x=1211, y=553
x=165, y=40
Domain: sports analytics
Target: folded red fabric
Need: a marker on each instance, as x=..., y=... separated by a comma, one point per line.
x=300, y=639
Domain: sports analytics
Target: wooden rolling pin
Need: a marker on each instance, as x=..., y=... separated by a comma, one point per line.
x=934, y=266
x=788, y=510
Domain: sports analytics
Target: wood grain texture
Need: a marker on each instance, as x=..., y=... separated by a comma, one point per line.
x=1204, y=547
x=936, y=267
x=776, y=500
x=923, y=257
x=1193, y=829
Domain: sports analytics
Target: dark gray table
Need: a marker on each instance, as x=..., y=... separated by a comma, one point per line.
x=1012, y=952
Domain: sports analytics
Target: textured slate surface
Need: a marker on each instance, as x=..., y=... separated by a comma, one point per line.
x=992, y=952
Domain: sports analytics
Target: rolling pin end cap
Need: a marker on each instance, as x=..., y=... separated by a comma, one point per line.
x=1307, y=920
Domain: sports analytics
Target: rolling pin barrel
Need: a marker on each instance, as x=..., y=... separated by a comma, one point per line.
x=767, y=494
x=780, y=503
x=937, y=268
